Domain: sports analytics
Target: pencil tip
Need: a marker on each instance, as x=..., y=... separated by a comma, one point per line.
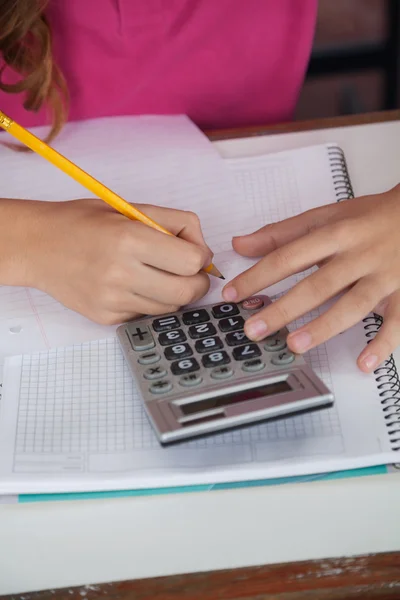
x=221, y=277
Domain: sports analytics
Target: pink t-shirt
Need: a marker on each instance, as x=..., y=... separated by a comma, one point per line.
x=222, y=62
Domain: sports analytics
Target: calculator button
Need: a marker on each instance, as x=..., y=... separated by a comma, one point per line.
x=246, y=352
x=253, y=303
x=225, y=310
x=283, y=358
x=165, y=323
x=274, y=344
x=208, y=344
x=215, y=359
x=187, y=365
x=155, y=372
x=149, y=358
x=176, y=336
x=236, y=338
x=195, y=316
x=190, y=380
x=202, y=330
x=141, y=338
x=178, y=351
x=161, y=387
x=221, y=373
x=231, y=324
x=253, y=365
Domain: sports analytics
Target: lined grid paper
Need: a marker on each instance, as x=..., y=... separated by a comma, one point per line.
x=82, y=399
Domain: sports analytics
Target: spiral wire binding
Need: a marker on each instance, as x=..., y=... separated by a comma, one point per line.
x=386, y=375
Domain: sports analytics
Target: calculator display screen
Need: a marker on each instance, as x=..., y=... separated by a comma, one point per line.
x=269, y=389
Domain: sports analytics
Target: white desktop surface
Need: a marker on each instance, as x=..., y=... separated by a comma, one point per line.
x=70, y=543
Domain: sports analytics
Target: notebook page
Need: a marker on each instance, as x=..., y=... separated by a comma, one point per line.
x=162, y=160
x=71, y=420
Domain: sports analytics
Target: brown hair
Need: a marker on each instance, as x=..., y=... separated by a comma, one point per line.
x=26, y=47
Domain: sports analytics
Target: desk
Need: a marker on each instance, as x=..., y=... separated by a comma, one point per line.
x=75, y=543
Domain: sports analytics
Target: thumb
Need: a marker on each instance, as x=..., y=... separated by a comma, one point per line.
x=273, y=236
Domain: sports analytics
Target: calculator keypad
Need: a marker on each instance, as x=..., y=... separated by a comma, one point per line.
x=204, y=343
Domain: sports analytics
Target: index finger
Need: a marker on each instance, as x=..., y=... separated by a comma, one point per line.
x=281, y=263
x=182, y=223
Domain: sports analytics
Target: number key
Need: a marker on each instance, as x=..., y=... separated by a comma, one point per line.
x=225, y=310
x=216, y=359
x=231, y=324
x=247, y=351
x=172, y=337
x=202, y=330
x=187, y=365
x=208, y=344
x=178, y=351
x=236, y=338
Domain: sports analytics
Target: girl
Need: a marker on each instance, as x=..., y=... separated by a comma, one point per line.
x=224, y=63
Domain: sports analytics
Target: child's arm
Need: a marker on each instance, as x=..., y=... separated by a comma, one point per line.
x=356, y=244
x=98, y=262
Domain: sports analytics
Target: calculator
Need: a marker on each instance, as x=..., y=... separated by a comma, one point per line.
x=198, y=374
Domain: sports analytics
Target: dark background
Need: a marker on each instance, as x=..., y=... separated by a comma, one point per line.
x=355, y=62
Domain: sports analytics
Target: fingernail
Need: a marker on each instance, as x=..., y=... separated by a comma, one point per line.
x=229, y=294
x=300, y=342
x=256, y=330
x=369, y=362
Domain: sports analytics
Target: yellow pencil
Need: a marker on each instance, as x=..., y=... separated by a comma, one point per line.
x=98, y=189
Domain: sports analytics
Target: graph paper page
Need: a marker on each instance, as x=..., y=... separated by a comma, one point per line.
x=71, y=420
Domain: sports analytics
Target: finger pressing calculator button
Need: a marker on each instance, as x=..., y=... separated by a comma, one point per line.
x=236, y=338
x=178, y=351
x=141, y=338
x=202, y=330
x=187, y=365
x=231, y=324
x=190, y=380
x=155, y=372
x=283, y=358
x=176, y=336
x=161, y=387
x=225, y=310
x=274, y=344
x=165, y=323
x=215, y=359
x=253, y=365
x=247, y=351
x=208, y=345
x=253, y=303
x=221, y=373
x=195, y=316
x=149, y=358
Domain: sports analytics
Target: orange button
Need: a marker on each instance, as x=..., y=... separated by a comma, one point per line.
x=253, y=303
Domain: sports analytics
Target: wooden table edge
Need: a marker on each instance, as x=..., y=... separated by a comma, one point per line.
x=371, y=576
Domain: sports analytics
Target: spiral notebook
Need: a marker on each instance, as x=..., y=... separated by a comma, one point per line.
x=71, y=420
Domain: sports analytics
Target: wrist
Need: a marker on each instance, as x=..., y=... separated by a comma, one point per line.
x=20, y=233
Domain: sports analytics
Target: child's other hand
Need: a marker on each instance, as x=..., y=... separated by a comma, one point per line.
x=109, y=268
x=356, y=244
